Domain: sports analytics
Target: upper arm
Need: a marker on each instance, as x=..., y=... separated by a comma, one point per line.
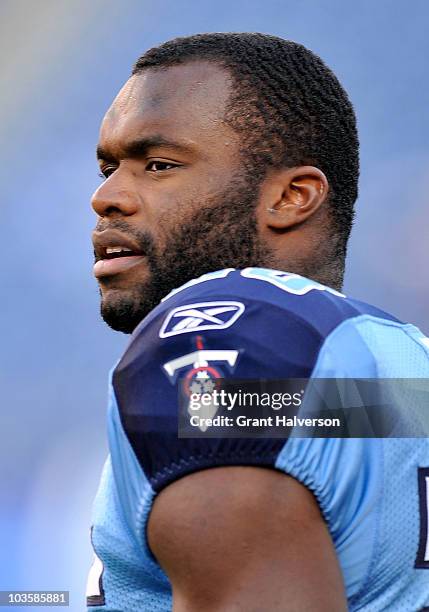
x=245, y=539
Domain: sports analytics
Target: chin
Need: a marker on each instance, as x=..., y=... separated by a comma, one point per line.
x=123, y=310
x=123, y=319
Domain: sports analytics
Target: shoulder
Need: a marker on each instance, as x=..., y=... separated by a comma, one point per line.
x=260, y=323
x=265, y=290
x=250, y=324
x=251, y=309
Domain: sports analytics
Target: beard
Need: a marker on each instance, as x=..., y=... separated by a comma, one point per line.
x=221, y=234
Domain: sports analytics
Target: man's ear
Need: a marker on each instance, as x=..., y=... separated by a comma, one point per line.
x=289, y=197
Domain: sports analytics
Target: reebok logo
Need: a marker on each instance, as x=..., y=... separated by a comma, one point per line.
x=198, y=317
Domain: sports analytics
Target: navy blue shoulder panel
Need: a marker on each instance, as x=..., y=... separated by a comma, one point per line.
x=251, y=324
x=321, y=307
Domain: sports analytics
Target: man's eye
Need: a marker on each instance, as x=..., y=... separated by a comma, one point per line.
x=159, y=166
x=106, y=171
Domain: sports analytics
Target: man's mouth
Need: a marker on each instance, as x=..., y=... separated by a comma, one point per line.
x=114, y=253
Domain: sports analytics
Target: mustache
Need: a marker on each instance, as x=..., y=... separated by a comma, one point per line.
x=143, y=239
x=120, y=225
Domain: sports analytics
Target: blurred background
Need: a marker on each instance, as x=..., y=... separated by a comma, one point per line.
x=62, y=62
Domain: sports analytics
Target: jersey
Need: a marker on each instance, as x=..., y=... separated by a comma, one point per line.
x=264, y=324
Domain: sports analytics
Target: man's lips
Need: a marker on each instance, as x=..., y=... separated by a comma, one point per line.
x=108, y=260
x=108, y=267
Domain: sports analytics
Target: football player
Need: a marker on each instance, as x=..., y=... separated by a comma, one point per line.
x=231, y=171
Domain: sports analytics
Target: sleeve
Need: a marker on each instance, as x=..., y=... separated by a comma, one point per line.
x=205, y=332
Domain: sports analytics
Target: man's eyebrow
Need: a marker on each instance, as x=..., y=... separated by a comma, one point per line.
x=141, y=146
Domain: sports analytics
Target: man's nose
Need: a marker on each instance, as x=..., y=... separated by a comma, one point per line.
x=114, y=198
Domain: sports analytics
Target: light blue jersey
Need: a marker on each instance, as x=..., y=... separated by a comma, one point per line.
x=264, y=324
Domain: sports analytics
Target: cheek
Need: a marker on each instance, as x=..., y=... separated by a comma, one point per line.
x=173, y=202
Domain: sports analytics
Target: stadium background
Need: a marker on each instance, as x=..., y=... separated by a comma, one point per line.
x=62, y=62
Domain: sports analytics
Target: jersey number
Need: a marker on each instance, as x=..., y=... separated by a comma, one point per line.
x=422, y=561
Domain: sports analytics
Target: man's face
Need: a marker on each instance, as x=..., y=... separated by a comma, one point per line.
x=176, y=193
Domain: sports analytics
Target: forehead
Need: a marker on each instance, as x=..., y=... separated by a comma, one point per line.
x=185, y=102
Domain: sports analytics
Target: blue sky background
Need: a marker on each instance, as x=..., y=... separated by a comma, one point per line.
x=62, y=63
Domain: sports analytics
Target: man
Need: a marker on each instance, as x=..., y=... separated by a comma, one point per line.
x=231, y=165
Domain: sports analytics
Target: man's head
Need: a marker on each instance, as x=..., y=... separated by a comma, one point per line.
x=222, y=150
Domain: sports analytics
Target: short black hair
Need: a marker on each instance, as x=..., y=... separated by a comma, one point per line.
x=289, y=108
